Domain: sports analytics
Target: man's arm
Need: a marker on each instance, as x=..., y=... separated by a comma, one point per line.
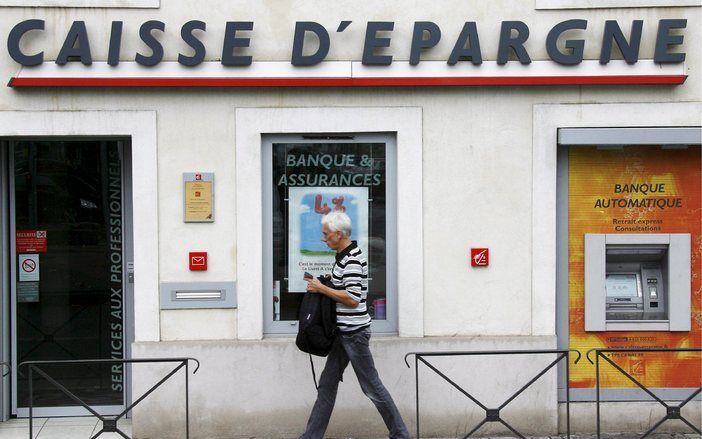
x=341, y=296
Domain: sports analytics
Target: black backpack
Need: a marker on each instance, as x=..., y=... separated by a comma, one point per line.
x=317, y=328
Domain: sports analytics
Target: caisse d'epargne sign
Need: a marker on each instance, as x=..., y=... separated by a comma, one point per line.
x=311, y=43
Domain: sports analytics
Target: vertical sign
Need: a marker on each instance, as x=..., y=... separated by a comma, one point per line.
x=115, y=235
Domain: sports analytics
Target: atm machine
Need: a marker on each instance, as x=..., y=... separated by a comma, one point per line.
x=637, y=282
x=634, y=285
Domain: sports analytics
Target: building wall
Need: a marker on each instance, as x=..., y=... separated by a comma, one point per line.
x=477, y=189
x=229, y=400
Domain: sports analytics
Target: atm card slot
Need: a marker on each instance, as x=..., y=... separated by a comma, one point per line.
x=620, y=306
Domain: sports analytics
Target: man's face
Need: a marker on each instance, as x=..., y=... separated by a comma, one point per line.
x=331, y=239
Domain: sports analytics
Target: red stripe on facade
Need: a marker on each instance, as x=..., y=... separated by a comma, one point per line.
x=19, y=82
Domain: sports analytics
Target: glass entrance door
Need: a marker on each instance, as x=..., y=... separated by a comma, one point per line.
x=67, y=255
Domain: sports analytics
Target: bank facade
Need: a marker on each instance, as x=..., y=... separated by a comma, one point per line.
x=521, y=175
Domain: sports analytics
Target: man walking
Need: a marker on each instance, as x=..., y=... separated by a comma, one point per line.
x=350, y=279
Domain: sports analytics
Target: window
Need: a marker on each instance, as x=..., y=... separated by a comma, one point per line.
x=304, y=179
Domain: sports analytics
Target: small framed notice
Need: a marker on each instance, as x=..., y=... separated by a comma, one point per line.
x=198, y=198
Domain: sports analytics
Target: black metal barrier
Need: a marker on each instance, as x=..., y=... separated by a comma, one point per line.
x=493, y=414
x=109, y=423
x=672, y=411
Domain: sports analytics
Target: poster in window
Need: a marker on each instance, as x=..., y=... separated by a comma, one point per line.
x=307, y=206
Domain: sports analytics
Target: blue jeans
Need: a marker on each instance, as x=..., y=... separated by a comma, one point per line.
x=353, y=348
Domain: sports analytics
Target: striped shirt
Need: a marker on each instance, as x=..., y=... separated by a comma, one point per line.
x=350, y=273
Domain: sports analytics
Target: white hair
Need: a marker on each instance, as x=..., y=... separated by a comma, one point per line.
x=338, y=222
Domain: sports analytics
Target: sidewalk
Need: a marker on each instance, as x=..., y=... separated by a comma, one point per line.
x=85, y=428
x=60, y=428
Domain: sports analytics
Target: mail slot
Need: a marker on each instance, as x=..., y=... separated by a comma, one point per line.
x=199, y=295
x=194, y=295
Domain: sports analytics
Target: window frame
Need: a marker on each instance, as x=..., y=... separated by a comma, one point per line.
x=405, y=123
x=289, y=327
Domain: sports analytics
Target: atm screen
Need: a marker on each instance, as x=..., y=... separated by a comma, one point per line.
x=622, y=285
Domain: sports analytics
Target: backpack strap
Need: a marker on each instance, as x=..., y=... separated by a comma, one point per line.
x=314, y=377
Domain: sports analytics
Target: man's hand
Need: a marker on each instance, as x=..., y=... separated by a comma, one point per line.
x=314, y=285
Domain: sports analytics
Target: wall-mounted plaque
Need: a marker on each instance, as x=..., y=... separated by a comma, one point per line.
x=198, y=198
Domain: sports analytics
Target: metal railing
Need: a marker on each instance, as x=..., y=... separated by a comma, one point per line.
x=493, y=414
x=109, y=423
x=672, y=411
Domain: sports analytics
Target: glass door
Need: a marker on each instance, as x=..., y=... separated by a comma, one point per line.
x=67, y=266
